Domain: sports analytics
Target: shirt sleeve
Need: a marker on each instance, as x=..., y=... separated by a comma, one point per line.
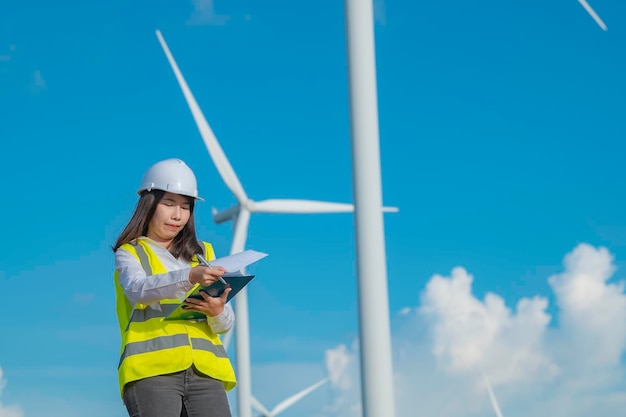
x=144, y=289
x=223, y=322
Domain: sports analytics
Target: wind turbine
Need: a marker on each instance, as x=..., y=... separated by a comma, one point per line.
x=240, y=215
x=285, y=404
x=593, y=14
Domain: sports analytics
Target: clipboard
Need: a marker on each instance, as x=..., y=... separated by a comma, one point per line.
x=236, y=282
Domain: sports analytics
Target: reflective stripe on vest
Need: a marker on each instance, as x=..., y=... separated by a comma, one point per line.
x=168, y=342
x=152, y=346
x=152, y=311
x=143, y=259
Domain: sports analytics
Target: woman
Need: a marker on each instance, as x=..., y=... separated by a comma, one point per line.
x=169, y=368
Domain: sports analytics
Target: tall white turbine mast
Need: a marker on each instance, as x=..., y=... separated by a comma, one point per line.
x=240, y=215
x=374, y=333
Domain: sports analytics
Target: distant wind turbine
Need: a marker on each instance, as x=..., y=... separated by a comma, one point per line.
x=593, y=14
x=282, y=406
x=240, y=215
x=492, y=397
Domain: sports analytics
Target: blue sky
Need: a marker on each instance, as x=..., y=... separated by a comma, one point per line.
x=501, y=133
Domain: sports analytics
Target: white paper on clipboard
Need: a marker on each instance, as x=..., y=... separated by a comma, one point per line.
x=238, y=261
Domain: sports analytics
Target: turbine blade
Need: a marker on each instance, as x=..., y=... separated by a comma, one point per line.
x=305, y=206
x=593, y=14
x=301, y=206
x=215, y=150
x=492, y=397
x=282, y=406
x=256, y=404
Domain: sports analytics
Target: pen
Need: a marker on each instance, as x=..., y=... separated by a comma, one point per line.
x=206, y=263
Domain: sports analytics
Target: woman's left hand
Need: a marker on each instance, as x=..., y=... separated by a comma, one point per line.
x=210, y=306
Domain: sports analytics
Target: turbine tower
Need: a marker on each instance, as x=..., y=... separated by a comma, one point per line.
x=374, y=329
x=240, y=215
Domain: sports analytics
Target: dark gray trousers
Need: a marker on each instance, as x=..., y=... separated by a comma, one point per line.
x=182, y=394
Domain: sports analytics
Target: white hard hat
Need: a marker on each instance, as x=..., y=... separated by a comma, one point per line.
x=171, y=175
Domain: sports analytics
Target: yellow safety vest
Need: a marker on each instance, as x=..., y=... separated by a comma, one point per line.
x=152, y=346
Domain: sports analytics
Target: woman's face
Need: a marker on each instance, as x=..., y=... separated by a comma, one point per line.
x=171, y=215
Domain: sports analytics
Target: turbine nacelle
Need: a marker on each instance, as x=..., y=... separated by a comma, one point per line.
x=226, y=215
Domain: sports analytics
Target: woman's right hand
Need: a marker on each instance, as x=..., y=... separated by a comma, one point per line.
x=204, y=275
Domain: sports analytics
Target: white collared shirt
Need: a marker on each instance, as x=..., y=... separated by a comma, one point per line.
x=143, y=289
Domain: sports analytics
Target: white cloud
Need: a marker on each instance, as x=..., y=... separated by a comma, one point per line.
x=470, y=334
x=39, y=403
x=343, y=373
x=592, y=319
x=337, y=361
x=405, y=311
x=8, y=411
x=570, y=365
x=204, y=14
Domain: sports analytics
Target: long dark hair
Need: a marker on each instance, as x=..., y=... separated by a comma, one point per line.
x=184, y=245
